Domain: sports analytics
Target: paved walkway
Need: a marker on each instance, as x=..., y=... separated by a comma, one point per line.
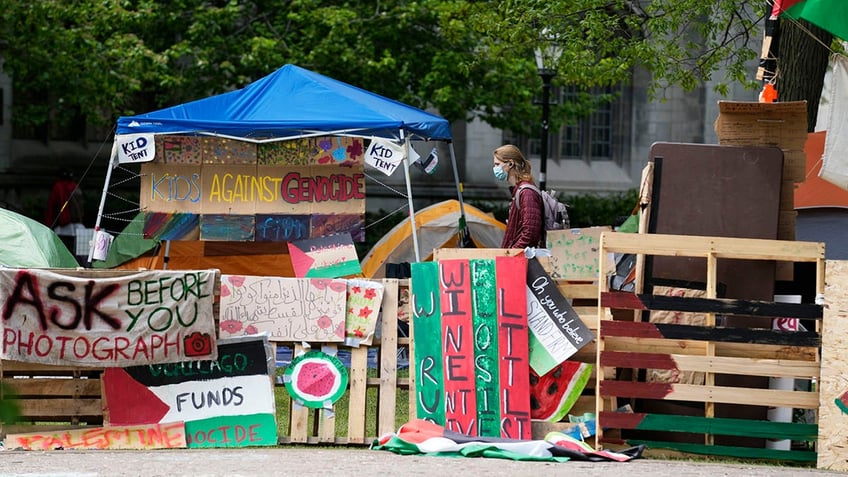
x=310, y=461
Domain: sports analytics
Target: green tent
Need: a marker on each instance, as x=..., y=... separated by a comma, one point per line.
x=25, y=243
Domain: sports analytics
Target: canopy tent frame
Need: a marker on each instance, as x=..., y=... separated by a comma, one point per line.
x=254, y=122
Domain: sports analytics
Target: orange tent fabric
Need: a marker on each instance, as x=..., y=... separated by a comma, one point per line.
x=815, y=191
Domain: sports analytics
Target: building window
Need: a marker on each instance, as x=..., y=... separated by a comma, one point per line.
x=600, y=135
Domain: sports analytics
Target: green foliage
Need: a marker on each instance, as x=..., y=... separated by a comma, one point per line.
x=101, y=59
x=9, y=411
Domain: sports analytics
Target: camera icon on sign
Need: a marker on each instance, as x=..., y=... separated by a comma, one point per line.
x=198, y=344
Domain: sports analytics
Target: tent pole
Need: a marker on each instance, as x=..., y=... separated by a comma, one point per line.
x=409, y=200
x=167, y=255
x=464, y=232
x=113, y=159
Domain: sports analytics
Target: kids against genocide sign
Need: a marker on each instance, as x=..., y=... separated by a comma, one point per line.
x=143, y=318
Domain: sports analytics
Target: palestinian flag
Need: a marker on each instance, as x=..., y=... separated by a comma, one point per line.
x=828, y=15
x=424, y=437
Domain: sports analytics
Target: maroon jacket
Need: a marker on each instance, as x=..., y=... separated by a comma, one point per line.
x=525, y=224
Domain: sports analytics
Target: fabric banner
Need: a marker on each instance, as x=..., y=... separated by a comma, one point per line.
x=834, y=107
x=75, y=319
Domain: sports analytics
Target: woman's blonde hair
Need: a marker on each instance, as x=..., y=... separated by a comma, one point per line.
x=511, y=155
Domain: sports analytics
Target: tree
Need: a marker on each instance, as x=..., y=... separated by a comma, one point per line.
x=803, y=56
x=105, y=58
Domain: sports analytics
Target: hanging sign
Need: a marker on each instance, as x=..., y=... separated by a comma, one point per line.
x=384, y=155
x=134, y=148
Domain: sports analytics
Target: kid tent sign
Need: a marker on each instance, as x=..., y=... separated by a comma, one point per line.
x=148, y=317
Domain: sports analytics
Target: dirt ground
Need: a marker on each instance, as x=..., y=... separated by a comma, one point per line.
x=308, y=461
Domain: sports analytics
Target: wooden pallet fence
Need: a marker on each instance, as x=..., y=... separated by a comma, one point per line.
x=718, y=413
x=367, y=417
x=584, y=296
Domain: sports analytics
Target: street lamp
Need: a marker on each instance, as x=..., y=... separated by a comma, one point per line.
x=547, y=55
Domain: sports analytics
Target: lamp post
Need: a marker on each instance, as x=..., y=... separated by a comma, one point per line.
x=547, y=55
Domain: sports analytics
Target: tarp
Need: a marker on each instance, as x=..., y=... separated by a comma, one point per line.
x=437, y=228
x=815, y=191
x=25, y=243
x=289, y=103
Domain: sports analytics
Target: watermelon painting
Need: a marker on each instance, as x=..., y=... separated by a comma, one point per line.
x=553, y=394
x=316, y=379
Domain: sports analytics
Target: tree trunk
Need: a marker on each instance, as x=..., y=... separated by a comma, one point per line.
x=802, y=59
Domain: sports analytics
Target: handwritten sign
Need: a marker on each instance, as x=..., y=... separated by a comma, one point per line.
x=133, y=148
x=427, y=336
x=556, y=331
x=226, y=402
x=288, y=309
x=140, y=437
x=364, y=298
x=236, y=187
x=458, y=346
x=384, y=155
x=333, y=256
x=148, y=317
x=479, y=362
x=574, y=253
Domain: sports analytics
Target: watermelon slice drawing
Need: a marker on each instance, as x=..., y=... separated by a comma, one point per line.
x=316, y=380
x=553, y=394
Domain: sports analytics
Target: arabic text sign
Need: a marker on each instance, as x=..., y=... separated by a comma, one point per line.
x=147, y=317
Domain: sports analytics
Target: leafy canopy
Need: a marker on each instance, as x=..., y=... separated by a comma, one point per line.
x=105, y=58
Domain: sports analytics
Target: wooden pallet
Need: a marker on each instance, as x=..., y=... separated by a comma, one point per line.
x=711, y=416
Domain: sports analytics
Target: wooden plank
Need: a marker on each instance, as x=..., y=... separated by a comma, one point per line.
x=714, y=394
x=299, y=414
x=17, y=368
x=327, y=417
x=54, y=387
x=357, y=393
x=833, y=420
x=713, y=364
x=725, y=451
x=632, y=301
x=59, y=409
x=710, y=425
x=707, y=333
x=387, y=396
x=579, y=290
x=721, y=247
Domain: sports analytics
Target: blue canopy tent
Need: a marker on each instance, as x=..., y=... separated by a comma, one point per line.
x=293, y=103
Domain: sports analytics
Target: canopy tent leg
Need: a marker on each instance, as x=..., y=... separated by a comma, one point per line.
x=464, y=232
x=409, y=200
x=113, y=160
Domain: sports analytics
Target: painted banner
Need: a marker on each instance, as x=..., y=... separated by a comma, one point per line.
x=458, y=346
x=224, y=189
x=226, y=402
x=427, y=336
x=513, y=336
x=288, y=309
x=479, y=362
x=333, y=256
x=556, y=331
x=485, y=322
x=139, y=437
x=364, y=298
x=83, y=319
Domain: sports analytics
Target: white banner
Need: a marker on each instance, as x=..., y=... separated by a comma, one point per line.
x=832, y=111
x=133, y=148
x=384, y=155
x=79, y=319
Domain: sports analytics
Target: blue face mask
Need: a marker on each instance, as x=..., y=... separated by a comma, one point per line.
x=500, y=174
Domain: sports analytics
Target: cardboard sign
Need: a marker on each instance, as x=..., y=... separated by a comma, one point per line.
x=226, y=402
x=486, y=346
x=288, y=309
x=557, y=332
x=333, y=256
x=239, y=193
x=574, y=253
x=50, y=317
x=426, y=333
x=138, y=437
